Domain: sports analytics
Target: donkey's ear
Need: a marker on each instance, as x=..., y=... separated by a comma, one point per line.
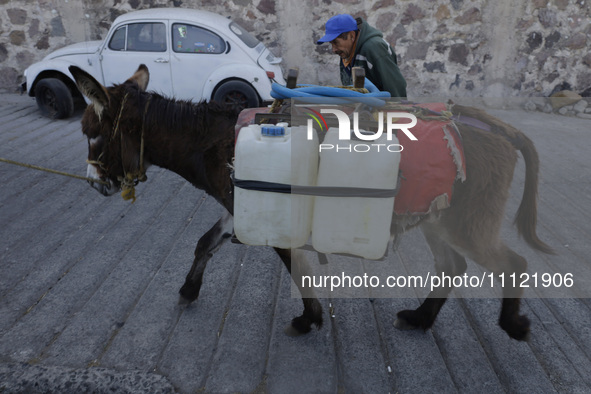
x=91, y=88
x=141, y=77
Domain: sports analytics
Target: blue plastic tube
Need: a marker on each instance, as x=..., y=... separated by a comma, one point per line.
x=330, y=95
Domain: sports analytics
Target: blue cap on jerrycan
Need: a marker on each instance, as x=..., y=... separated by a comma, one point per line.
x=272, y=131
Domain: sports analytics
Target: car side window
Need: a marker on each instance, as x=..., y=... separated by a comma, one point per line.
x=193, y=39
x=146, y=37
x=117, y=42
x=139, y=37
x=244, y=35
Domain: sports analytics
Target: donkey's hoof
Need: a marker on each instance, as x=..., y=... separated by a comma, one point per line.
x=517, y=329
x=188, y=294
x=407, y=320
x=299, y=326
x=290, y=331
x=183, y=301
x=402, y=324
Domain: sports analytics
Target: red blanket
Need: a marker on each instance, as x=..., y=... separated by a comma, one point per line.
x=429, y=166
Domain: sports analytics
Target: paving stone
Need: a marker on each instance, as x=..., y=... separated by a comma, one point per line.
x=89, y=289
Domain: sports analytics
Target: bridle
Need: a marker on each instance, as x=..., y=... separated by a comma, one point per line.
x=130, y=178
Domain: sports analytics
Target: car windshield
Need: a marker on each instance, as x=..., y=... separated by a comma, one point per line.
x=244, y=35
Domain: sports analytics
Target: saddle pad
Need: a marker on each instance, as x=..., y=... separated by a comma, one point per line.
x=430, y=165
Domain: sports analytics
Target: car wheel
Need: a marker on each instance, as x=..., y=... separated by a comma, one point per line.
x=237, y=94
x=54, y=98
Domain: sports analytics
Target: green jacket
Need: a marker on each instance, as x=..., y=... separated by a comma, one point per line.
x=378, y=59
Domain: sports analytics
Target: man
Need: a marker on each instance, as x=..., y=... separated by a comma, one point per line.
x=361, y=45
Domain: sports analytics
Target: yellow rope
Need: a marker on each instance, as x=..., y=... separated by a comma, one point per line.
x=142, y=175
x=278, y=102
x=360, y=90
x=130, y=179
x=116, y=126
x=127, y=183
x=419, y=112
x=34, y=167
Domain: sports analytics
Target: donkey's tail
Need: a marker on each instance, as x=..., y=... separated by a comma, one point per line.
x=527, y=213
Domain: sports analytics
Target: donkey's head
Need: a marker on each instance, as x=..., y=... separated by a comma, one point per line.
x=111, y=123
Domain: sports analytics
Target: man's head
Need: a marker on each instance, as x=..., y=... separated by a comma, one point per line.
x=341, y=33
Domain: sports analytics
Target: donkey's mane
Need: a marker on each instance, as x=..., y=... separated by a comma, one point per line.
x=203, y=121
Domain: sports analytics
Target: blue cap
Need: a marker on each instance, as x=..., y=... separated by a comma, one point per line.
x=337, y=25
x=272, y=131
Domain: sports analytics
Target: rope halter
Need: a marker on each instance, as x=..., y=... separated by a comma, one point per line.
x=130, y=178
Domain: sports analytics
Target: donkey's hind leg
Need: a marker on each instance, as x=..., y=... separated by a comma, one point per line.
x=504, y=260
x=207, y=245
x=312, y=308
x=448, y=262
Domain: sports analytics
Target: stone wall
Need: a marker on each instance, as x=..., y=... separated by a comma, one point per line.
x=456, y=48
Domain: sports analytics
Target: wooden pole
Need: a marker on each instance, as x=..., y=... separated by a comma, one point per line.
x=358, y=77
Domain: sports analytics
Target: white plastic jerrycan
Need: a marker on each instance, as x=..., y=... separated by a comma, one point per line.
x=355, y=225
x=282, y=155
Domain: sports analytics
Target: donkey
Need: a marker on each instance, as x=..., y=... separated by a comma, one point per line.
x=129, y=129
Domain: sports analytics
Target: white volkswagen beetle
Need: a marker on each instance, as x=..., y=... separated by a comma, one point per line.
x=192, y=54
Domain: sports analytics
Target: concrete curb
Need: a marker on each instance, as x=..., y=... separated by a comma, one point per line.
x=32, y=379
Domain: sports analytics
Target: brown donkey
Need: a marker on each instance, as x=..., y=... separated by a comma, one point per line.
x=129, y=129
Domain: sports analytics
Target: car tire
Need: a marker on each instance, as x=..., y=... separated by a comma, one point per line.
x=237, y=94
x=54, y=99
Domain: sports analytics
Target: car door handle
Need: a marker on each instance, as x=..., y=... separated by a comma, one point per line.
x=161, y=60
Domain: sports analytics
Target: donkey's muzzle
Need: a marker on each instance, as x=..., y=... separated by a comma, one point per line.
x=106, y=187
x=105, y=190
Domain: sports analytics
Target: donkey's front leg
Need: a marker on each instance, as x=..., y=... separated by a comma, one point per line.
x=312, y=308
x=207, y=245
